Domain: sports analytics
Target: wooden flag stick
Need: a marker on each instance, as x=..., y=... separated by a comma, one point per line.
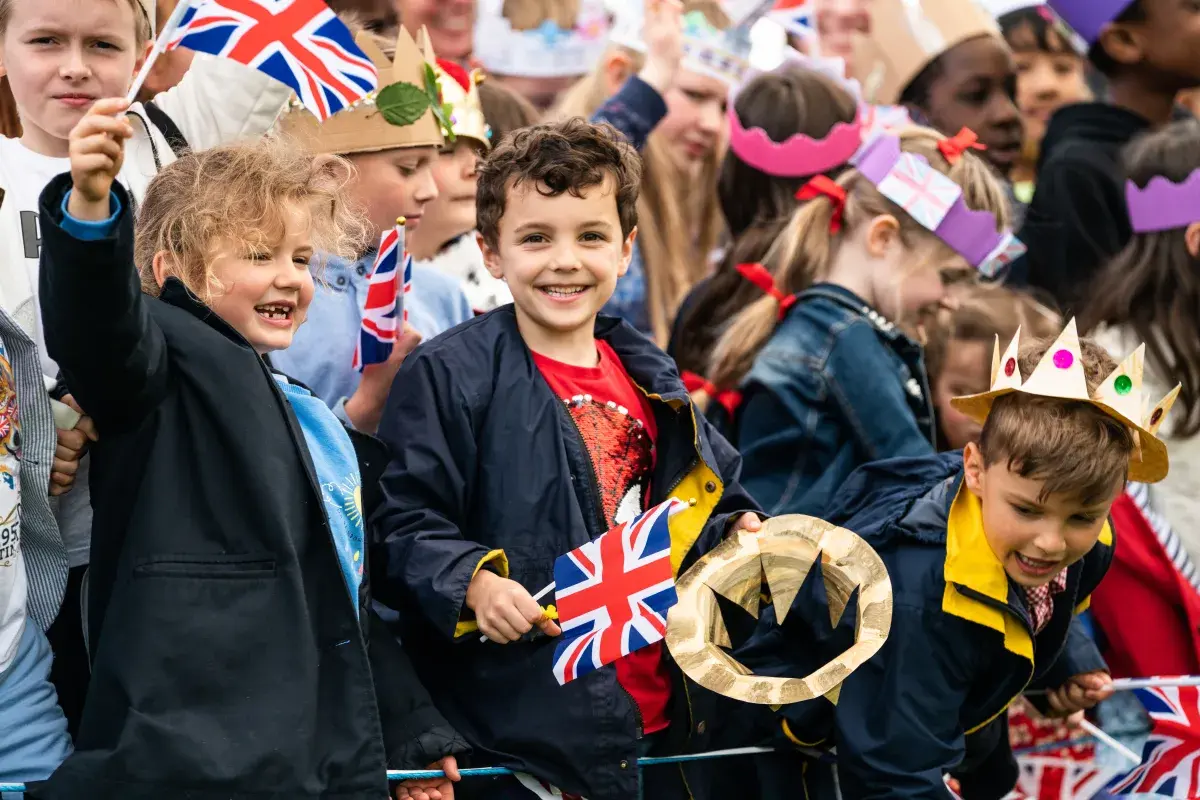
x=160, y=44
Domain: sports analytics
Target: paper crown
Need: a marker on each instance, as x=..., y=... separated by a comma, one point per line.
x=936, y=202
x=403, y=113
x=1060, y=374
x=1163, y=205
x=998, y=8
x=906, y=35
x=707, y=50
x=460, y=96
x=544, y=49
x=1088, y=17
x=800, y=155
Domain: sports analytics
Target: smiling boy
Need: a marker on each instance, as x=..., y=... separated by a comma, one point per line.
x=991, y=553
x=523, y=434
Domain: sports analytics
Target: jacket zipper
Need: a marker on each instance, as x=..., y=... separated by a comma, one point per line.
x=969, y=592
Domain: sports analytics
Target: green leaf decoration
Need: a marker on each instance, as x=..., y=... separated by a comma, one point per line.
x=431, y=85
x=402, y=103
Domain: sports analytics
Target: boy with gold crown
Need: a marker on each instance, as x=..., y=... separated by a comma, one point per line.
x=991, y=553
x=393, y=139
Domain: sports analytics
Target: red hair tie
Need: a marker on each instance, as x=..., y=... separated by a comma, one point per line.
x=953, y=147
x=758, y=275
x=822, y=186
x=728, y=400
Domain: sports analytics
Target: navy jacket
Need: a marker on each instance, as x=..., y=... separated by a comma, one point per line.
x=837, y=386
x=961, y=647
x=489, y=467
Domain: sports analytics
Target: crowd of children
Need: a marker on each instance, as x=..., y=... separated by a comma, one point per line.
x=926, y=276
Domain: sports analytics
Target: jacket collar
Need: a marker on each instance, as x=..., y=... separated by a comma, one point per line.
x=174, y=293
x=851, y=302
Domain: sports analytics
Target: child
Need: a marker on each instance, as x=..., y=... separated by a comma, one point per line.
x=504, y=109
x=444, y=241
x=393, y=178
x=991, y=553
x=958, y=352
x=1149, y=50
x=523, y=434
x=227, y=546
x=946, y=61
x=829, y=380
x=1050, y=74
x=815, y=120
x=1146, y=294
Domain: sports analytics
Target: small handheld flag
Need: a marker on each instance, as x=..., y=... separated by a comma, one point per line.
x=613, y=593
x=1171, y=756
x=300, y=43
x=384, y=312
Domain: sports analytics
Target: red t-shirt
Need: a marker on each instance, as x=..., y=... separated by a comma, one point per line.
x=617, y=424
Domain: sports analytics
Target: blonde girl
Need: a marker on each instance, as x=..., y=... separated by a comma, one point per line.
x=830, y=380
x=233, y=646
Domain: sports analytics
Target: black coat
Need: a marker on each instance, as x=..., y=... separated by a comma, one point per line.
x=227, y=661
x=487, y=458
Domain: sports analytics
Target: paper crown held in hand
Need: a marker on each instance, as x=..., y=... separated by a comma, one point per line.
x=1060, y=374
x=407, y=110
x=530, y=39
x=782, y=554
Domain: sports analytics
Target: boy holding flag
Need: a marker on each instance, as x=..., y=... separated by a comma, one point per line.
x=524, y=434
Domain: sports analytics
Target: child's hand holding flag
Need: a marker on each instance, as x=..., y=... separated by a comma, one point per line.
x=97, y=151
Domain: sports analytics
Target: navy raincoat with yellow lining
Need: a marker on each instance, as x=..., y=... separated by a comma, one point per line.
x=961, y=647
x=490, y=470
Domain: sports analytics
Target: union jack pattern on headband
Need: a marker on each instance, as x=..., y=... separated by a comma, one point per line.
x=613, y=593
x=301, y=43
x=384, y=312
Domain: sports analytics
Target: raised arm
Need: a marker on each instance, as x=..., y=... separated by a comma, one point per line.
x=97, y=322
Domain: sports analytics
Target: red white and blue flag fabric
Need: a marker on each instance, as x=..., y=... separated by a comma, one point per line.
x=1051, y=778
x=795, y=16
x=613, y=593
x=384, y=313
x=1171, y=756
x=301, y=43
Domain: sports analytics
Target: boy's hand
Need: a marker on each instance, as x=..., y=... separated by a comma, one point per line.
x=662, y=31
x=504, y=610
x=1080, y=693
x=72, y=445
x=365, y=406
x=97, y=150
x=432, y=788
x=746, y=522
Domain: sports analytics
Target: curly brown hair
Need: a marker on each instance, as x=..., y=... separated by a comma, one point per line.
x=235, y=196
x=558, y=157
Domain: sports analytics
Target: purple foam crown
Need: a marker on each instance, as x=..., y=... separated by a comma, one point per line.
x=1088, y=17
x=972, y=234
x=1163, y=205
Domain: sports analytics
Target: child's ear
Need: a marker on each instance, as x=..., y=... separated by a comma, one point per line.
x=617, y=69
x=1191, y=238
x=491, y=258
x=627, y=252
x=162, y=267
x=883, y=233
x=1123, y=42
x=973, y=468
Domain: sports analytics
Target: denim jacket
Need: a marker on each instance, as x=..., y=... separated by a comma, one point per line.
x=836, y=386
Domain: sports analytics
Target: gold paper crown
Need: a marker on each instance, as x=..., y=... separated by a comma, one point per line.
x=364, y=128
x=464, y=109
x=1060, y=374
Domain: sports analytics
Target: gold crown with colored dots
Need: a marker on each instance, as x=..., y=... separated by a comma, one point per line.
x=1060, y=374
x=463, y=108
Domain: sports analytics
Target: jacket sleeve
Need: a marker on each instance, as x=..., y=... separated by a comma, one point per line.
x=1076, y=222
x=415, y=734
x=880, y=418
x=97, y=321
x=635, y=111
x=219, y=100
x=422, y=557
x=897, y=719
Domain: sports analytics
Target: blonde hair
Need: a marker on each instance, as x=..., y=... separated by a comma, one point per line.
x=235, y=196
x=141, y=19
x=804, y=252
x=680, y=219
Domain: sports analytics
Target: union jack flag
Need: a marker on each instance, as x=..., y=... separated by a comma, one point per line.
x=795, y=16
x=1047, y=778
x=384, y=312
x=301, y=43
x=613, y=593
x=1171, y=756
x=926, y=194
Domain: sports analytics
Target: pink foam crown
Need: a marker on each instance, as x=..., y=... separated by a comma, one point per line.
x=798, y=157
x=1163, y=205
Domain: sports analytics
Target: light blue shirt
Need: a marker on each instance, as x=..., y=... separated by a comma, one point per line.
x=322, y=351
x=333, y=457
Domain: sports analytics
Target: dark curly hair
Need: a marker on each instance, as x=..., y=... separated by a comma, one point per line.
x=558, y=157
